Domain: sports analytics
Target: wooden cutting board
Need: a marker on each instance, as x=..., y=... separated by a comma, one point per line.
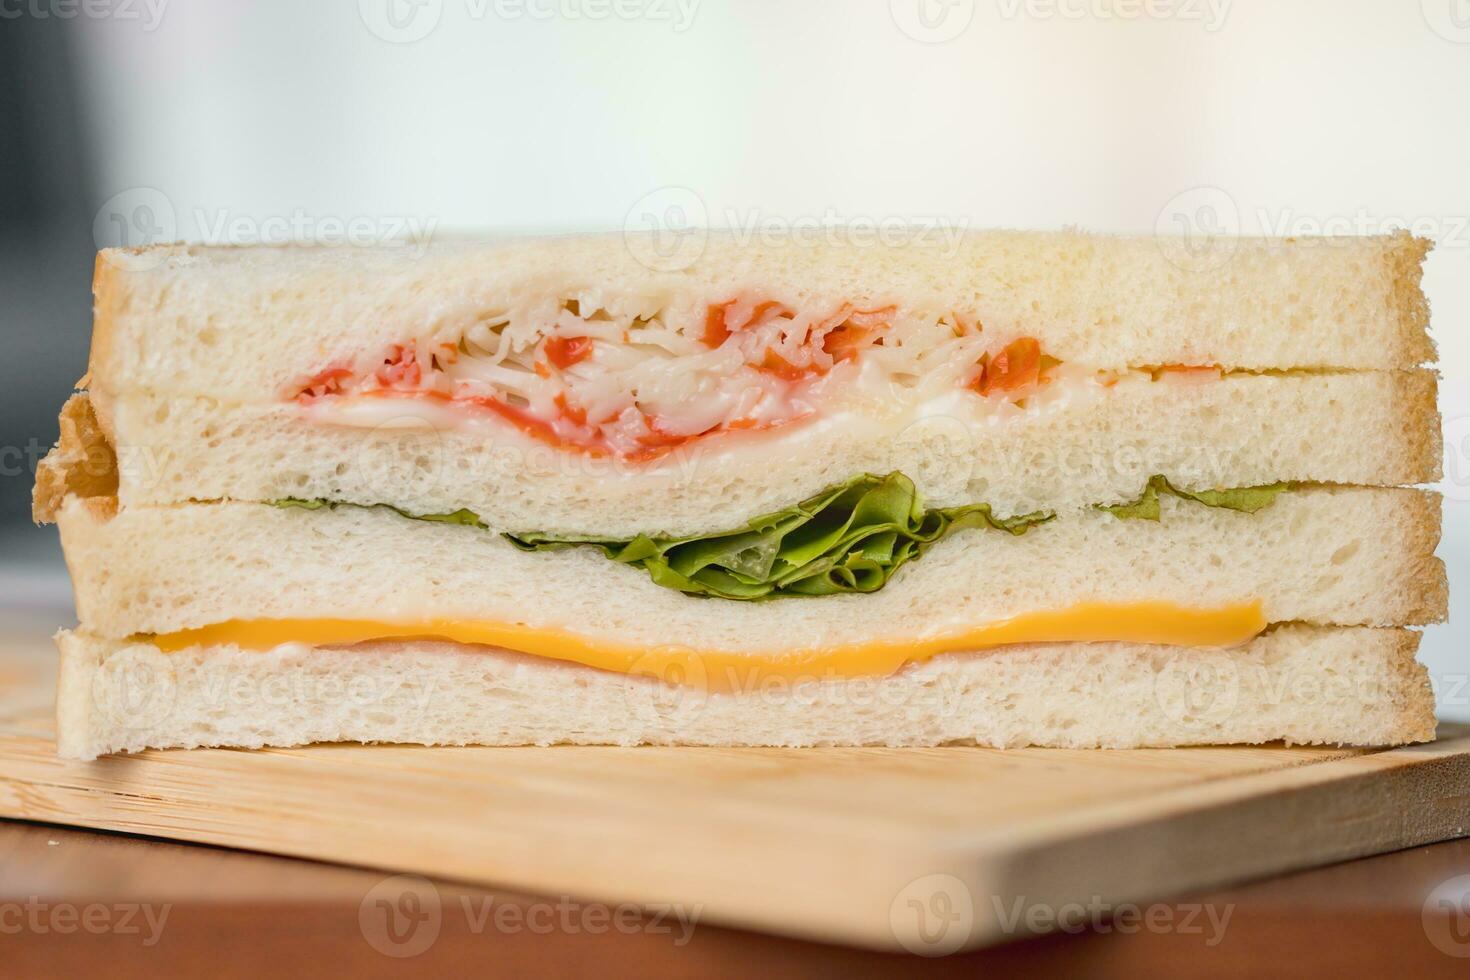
x=928, y=850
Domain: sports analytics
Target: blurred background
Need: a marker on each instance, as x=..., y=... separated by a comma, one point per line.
x=130, y=121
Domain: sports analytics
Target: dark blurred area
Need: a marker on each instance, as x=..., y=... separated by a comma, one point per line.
x=46, y=250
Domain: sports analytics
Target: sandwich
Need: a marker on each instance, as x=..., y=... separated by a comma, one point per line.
x=1052, y=489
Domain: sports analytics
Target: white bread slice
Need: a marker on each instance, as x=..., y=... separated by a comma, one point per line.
x=246, y=323
x=1331, y=556
x=1350, y=428
x=1296, y=683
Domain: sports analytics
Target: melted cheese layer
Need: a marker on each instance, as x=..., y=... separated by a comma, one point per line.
x=722, y=670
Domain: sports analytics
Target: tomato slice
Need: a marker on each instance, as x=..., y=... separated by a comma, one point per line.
x=715, y=329
x=1016, y=368
x=566, y=351
x=718, y=326
x=403, y=373
x=843, y=343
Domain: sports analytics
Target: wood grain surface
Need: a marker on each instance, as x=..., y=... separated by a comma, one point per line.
x=227, y=913
x=924, y=850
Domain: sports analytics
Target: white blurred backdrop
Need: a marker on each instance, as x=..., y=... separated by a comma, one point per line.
x=231, y=120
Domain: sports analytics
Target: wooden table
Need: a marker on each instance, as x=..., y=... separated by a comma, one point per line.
x=218, y=912
x=78, y=903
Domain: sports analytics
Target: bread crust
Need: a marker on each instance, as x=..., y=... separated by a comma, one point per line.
x=1421, y=445
x=1362, y=305
x=1404, y=266
x=81, y=464
x=108, y=295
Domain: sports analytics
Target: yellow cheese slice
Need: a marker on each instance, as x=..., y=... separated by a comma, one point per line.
x=723, y=670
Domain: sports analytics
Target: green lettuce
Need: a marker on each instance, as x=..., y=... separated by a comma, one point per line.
x=1247, y=499
x=467, y=518
x=849, y=538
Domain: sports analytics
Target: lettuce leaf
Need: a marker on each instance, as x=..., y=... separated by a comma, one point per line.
x=1246, y=499
x=849, y=538
x=468, y=518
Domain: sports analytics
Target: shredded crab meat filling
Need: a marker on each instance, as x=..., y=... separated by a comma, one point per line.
x=636, y=385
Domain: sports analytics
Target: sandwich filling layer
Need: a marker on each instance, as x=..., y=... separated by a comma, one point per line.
x=1160, y=623
x=851, y=537
x=638, y=387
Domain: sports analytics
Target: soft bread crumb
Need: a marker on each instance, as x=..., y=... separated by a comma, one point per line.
x=1317, y=555
x=246, y=323
x=1374, y=428
x=1354, y=686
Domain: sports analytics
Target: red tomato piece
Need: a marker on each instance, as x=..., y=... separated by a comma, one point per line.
x=1016, y=368
x=566, y=351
